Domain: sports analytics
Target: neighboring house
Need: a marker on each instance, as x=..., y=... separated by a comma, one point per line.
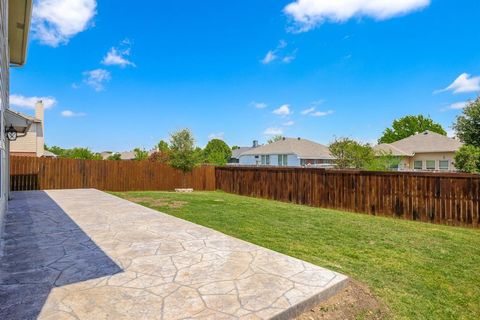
x=32, y=144
x=14, y=26
x=106, y=154
x=289, y=152
x=49, y=154
x=235, y=158
x=426, y=151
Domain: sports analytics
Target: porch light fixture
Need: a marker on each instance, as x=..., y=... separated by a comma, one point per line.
x=11, y=133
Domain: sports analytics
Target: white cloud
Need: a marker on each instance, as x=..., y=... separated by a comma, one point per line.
x=55, y=22
x=269, y=57
x=312, y=111
x=457, y=105
x=273, y=131
x=97, y=78
x=288, y=123
x=71, y=114
x=307, y=111
x=321, y=113
x=283, y=110
x=259, y=105
x=118, y=56
x=307, y=14
x=29, y=102
x=463, y=84
x=219, y=135
x=279, y=54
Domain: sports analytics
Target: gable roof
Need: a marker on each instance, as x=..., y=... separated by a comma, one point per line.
x=237, y=152
x=424, y=142
x=304, y=149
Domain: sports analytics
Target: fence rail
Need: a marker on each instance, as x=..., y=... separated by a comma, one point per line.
x=29, y=173
x=443, y=198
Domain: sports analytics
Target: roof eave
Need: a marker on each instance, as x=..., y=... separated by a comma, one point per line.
x=19, y=16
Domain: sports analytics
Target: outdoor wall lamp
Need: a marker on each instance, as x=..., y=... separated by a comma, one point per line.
x=11, y=133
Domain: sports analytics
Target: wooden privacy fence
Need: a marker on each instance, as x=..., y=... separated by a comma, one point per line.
x=29, y=173
x=444, y=198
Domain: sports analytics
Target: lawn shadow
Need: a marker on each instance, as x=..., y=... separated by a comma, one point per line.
x=44, y=248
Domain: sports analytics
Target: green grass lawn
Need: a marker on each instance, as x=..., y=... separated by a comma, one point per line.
x=421, y=271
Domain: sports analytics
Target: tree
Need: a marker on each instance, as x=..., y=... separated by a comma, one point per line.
x=384, y=162
x=115, y=156
x=81, y=153
x=409, y=125
x=183, y=154
x=75, y=153
x=140, y=154
x=217, y=152
x=162, y=146
x=55, y=150
x=467, y=159
x=160, y=156
x=467, y=125
x=275, y=139
x=235, y=147
x=351, y=154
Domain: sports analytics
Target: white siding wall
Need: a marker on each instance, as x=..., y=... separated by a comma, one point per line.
x=4, y=93
x=293, y=160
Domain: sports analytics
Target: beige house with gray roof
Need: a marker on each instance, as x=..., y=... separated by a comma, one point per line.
x=426, y=151
x=32, y=143
x=292, y=152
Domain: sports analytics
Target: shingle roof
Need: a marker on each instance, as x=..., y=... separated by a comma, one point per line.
x=237, y=152
x=424, y=142
x=304, y=149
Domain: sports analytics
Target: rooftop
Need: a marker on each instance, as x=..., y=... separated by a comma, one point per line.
x=303, y=148
x=423, y=142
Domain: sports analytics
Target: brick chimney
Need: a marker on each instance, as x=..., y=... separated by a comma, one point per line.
x=39, y=115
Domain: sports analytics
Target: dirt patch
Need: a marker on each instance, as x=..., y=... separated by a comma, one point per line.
x=158, y=202
x=354, y=302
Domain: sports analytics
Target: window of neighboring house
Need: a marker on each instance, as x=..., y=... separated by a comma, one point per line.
x=282, y=160
x=443, y=164
x=418, y=165
x=266, y=160
x=430, y=164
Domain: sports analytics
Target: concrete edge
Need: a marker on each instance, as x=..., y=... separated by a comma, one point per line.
x=299, y=308
x=292, y=312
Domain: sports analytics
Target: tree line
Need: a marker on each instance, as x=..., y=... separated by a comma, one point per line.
x=179, y=152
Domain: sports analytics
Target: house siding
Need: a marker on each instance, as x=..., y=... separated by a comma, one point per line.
x=4, y=94
x=408, y=162
x=249, y=160
x=31, y=143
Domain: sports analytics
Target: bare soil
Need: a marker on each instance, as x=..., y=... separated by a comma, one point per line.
x=354, y=302
x=158, y=202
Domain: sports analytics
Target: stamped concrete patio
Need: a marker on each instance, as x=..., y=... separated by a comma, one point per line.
x=85, y=254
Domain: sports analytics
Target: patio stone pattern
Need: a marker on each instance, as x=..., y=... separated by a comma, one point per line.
x=85, y=254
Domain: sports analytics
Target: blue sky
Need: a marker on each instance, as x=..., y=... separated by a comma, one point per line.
x=117, y=76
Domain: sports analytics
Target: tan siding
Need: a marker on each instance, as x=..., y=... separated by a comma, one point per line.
x=408, y=163
x=32, y=142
